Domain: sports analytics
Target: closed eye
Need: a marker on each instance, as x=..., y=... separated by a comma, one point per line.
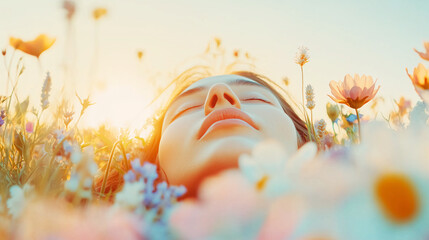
x=184, y=111
x=254, y=99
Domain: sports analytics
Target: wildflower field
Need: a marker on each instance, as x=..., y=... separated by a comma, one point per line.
x=364, y=174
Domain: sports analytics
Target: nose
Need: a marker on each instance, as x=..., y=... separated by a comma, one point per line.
x=220, y=95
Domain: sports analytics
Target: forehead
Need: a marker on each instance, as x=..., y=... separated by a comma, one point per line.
x=227, y=79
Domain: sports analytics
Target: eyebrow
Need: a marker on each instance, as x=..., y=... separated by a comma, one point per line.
x=240, y=82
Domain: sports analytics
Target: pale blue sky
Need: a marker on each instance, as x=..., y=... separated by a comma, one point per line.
x=365, y=37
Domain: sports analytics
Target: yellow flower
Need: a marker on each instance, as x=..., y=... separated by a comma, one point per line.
x=354, y=91
x=333, y=111
x=34, y=47
x=425, y=55
x=99, y=12
x=15, y=42
x=140, y=54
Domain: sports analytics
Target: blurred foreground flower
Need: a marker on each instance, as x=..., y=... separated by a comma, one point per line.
x=420, y=80
x=19, y=198
x=54, y=219
x=228, y=207
x=34, y=47
x=99, y=12
x=425, y=55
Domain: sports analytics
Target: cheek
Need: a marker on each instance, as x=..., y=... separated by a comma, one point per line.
x=176, y=142
x=277, y=125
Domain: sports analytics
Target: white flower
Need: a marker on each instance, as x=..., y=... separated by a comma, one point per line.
x=302, y=56
x=131, y=195
x=18, y=199
x=272, y=169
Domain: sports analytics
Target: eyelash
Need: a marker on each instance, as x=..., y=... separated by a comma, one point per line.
x=185, y=110
x=257, y=99
x=196, y=106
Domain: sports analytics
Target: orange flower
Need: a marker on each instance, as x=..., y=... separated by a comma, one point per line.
x=15, y=42
x=425, y=55
x=353, y=92
x=34, y=47
x=99, y=12
x=420, y=77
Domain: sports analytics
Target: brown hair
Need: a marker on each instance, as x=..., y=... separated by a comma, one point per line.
x=184, y=80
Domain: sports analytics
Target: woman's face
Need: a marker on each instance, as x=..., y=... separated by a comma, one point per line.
x=215, y=120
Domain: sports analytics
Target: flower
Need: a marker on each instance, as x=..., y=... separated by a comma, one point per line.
x=391, y=196
x=29, y=127
x=56, y=219
x=420, y=80
x=131, y=195
x=309, y=95
x=70, y=7
x=333, y=111
x=2, y=117
x=425, y=55
x=99, y=12
x=19, y=197
x=302, y=56
x=34, y=47
x=47, y=85
x=354, y=91
x=140, y=54
x=403, y=105
x=228, y=207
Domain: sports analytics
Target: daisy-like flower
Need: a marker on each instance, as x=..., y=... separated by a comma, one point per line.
x=353, y=91
x=34, y=47
x=425, y=55
x=391, y=198
x=420, y=80
x=302, y=57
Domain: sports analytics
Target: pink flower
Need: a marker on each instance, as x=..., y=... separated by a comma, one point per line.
x=425, y=55
x=45, y=219
x=227, y=201
x=29, y=127
x=353, y=91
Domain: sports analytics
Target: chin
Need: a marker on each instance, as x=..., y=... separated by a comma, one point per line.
x=219, y=155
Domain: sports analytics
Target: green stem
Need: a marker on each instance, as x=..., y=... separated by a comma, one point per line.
x=358, y=118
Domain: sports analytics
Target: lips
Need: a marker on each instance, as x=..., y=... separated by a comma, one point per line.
x=224, y=114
